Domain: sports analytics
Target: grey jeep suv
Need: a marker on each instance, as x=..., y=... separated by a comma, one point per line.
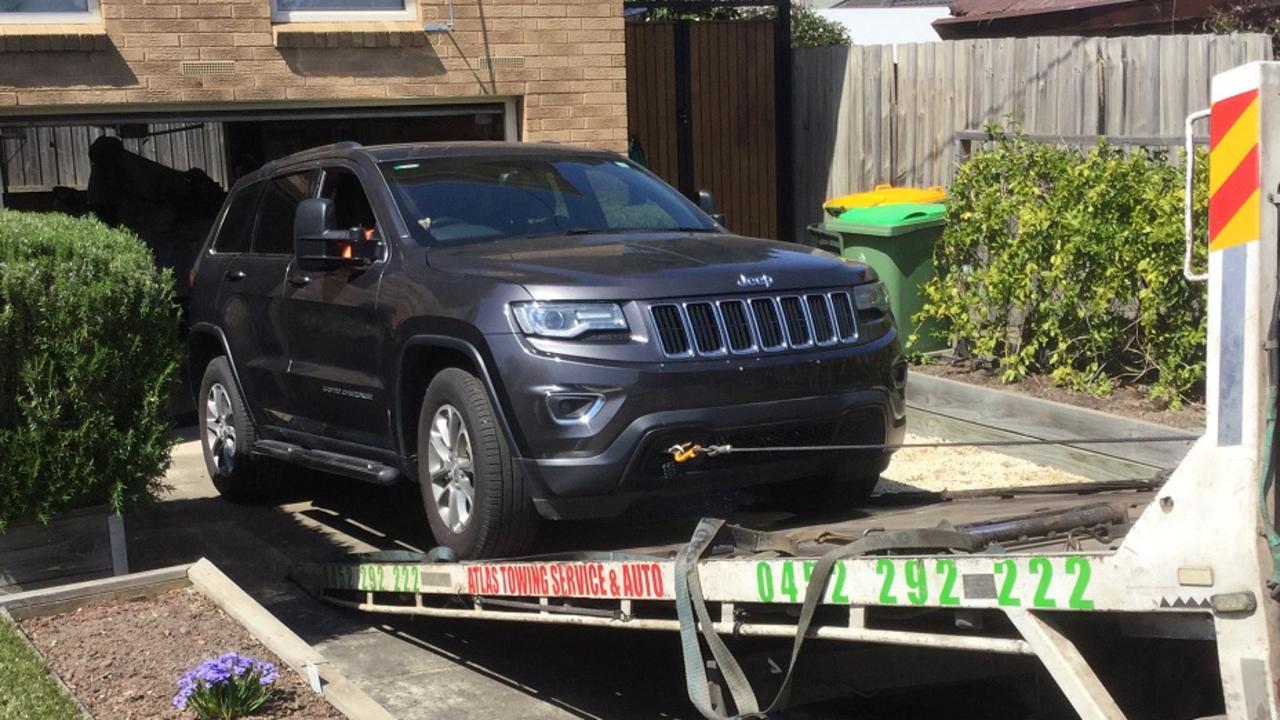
x=524, y=331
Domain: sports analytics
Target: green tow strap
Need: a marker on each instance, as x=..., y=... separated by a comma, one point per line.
x=1268, y=448
x=690, y=602
x=1264, y=488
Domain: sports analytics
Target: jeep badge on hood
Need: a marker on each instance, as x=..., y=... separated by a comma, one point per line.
x=760, y=281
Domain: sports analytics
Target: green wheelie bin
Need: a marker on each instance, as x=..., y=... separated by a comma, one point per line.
x=897, y=242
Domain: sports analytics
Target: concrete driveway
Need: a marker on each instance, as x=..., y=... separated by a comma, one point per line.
x=442, y=669
x=416, y=667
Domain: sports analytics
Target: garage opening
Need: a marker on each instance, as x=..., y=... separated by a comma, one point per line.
x=164, y=175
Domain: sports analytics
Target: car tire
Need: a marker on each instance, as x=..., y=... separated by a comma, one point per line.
x=832, y=492
x=227, y=434
x=477, y=503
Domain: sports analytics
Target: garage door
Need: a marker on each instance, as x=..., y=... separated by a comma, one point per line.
x=39, y=154
x=164, y=176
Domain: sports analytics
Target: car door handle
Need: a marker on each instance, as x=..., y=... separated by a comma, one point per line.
x=235, y=275
x=300, y=280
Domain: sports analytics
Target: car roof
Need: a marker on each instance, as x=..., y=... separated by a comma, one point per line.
x=413, y=151
x=416, y=151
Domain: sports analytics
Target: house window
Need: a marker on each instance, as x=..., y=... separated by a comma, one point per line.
x=340, y=10
x=48, y=11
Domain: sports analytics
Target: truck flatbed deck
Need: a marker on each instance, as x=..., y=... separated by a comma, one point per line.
x=901, y=511
x=1138, y=600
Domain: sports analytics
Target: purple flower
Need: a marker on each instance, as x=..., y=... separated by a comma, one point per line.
x=198, y=687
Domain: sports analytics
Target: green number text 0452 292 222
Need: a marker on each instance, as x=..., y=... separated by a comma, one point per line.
x=920, y=581
x=374, y=578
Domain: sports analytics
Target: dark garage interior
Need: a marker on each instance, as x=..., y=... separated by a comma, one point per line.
x=164, y=175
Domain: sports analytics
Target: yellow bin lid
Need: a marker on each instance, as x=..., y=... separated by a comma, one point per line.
x=884, y=195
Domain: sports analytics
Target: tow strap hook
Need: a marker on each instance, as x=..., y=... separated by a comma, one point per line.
x=684, y=452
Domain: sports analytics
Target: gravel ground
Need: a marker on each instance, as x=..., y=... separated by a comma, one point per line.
x=123, y=659
x=964, y=468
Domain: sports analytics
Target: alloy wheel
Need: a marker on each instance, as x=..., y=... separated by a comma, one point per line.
x=220, y=429
x=450, y=463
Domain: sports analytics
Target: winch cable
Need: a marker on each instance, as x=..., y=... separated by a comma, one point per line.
x=684, y=452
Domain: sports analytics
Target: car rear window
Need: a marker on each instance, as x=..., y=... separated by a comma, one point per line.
x=237, y=224
x=457, y=200
x=279, y=203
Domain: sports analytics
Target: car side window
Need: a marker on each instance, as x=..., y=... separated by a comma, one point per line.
x=351, y=208
x=275, y=219
x=237, y=225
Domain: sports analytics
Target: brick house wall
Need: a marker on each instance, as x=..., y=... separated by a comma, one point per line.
x=563, y=60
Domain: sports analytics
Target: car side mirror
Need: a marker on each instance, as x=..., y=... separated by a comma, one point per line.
x=707, y=203
x=824, y=239
x=317, y=245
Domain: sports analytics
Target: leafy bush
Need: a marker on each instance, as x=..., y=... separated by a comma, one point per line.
x=1069, y=262
x=225, y=688
x=1245, y=16
x=811, y=30
x=808, y=28
x=89, y=331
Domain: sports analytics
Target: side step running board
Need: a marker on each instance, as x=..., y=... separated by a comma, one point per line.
x=345, y=465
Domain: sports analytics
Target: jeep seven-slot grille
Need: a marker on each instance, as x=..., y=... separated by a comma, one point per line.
x=706, y=331
x=671, y=330
x=768, y=323
x=797, y=327
x=737, y=326
x=743, y=326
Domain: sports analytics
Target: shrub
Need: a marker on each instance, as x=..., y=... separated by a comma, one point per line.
x=1069, y=262
x=808, y=28
x=811, y=30
x=1245, y=16
x=228, y=687
x=89, y=331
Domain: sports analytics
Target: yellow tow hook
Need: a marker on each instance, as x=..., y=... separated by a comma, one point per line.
x=685, y=451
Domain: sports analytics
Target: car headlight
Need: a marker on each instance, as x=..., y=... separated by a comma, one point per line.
x=568, y=320
x=871, y=296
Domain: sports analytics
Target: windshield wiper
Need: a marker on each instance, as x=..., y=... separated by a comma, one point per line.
x=617, y=231
x=575, y=231
x=593, y=231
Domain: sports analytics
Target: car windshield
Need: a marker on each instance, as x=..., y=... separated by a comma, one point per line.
x=457, y=200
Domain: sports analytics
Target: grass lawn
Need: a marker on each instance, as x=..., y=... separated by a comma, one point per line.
x=27, y=690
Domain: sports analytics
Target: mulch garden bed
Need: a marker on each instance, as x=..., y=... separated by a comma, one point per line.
x=1129, y=401
x=123, y=659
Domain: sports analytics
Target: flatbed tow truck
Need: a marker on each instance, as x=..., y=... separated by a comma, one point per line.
x=1151, y=600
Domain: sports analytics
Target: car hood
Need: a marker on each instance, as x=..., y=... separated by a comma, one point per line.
x=648, y=266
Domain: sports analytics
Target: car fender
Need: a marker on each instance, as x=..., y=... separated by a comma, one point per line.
x=478, y=359
x=206, y=328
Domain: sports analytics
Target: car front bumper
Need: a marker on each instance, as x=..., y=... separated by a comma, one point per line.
x=596, y=466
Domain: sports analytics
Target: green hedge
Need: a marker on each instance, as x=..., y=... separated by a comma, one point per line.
x=808, y=28
x=1069, y=262
x=88, y=328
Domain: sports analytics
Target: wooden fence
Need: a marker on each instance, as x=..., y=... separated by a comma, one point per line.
x=731, y=113
x=888, y=114
x=38, y=159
